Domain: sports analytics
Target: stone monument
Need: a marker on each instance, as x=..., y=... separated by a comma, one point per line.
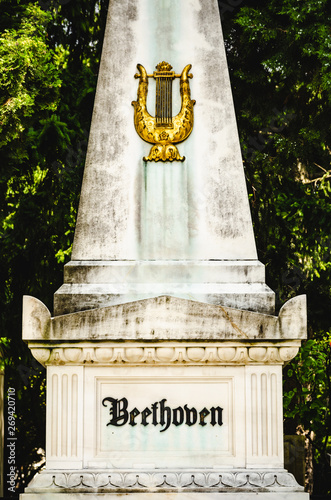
x=164, y=356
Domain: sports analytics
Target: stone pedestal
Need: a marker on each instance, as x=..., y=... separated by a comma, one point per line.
x=164, y=395
x=92, y=284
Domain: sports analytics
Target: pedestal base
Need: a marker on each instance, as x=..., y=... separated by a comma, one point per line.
x=166, y=496
x=267, y=484
x=174, y=409
x=95, y=284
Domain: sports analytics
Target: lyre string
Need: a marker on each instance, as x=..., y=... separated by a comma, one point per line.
x=163, y=105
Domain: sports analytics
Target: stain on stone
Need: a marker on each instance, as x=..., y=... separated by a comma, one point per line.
x=131, y=12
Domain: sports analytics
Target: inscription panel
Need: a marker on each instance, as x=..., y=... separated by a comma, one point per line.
x=164, y=417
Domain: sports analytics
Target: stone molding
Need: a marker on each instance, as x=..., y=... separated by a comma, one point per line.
x=164, y=318
x=165, y=354
x=164, y=481
x=160, y=271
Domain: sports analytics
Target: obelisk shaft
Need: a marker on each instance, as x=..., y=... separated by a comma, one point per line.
x=150, y=228
x=215, y=219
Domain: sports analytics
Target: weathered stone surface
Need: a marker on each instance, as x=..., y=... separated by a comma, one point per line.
x=131, y=210
x=172, y=271
x=164, y=318
x=170, y=496
x=179, y=229
x=250, y=296
x=92, y=284
x=166, y=481
x=166, y=353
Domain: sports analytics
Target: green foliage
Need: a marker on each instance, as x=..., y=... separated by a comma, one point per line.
x=307, y=400
x=311, y=367
x=46, y=54
x=280, y=68
x=279, y=53
x=29, y=79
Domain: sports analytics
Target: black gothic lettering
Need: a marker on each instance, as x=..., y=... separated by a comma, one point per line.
x=163, y=410
x=154, y=410
x=133, y=414
x=213, y=412
x=117, y=411
x=203, y=414
x=191, y=415
x=177, y=416
x=161, y=414
x=144, y=414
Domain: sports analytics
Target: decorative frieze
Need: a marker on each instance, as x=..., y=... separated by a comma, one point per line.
x=165, y=354
x=124, y=481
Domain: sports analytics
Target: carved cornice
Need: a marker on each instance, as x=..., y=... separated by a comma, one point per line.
x=164, y=319
x=164, y=481
x=165, y=354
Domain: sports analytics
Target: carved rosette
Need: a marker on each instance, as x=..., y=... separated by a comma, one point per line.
x=165, y=354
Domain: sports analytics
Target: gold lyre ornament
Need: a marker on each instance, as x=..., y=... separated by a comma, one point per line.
x=163, y=130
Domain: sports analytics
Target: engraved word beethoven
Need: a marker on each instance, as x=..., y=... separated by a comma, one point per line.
x=160, y=413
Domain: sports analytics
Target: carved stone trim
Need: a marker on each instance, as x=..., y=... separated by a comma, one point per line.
x=165, y=354
x=164, y=319
x=125, y=481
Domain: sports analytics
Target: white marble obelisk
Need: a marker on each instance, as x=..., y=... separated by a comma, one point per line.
x=164, y=357
x=147, y=228
x=211, y=182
